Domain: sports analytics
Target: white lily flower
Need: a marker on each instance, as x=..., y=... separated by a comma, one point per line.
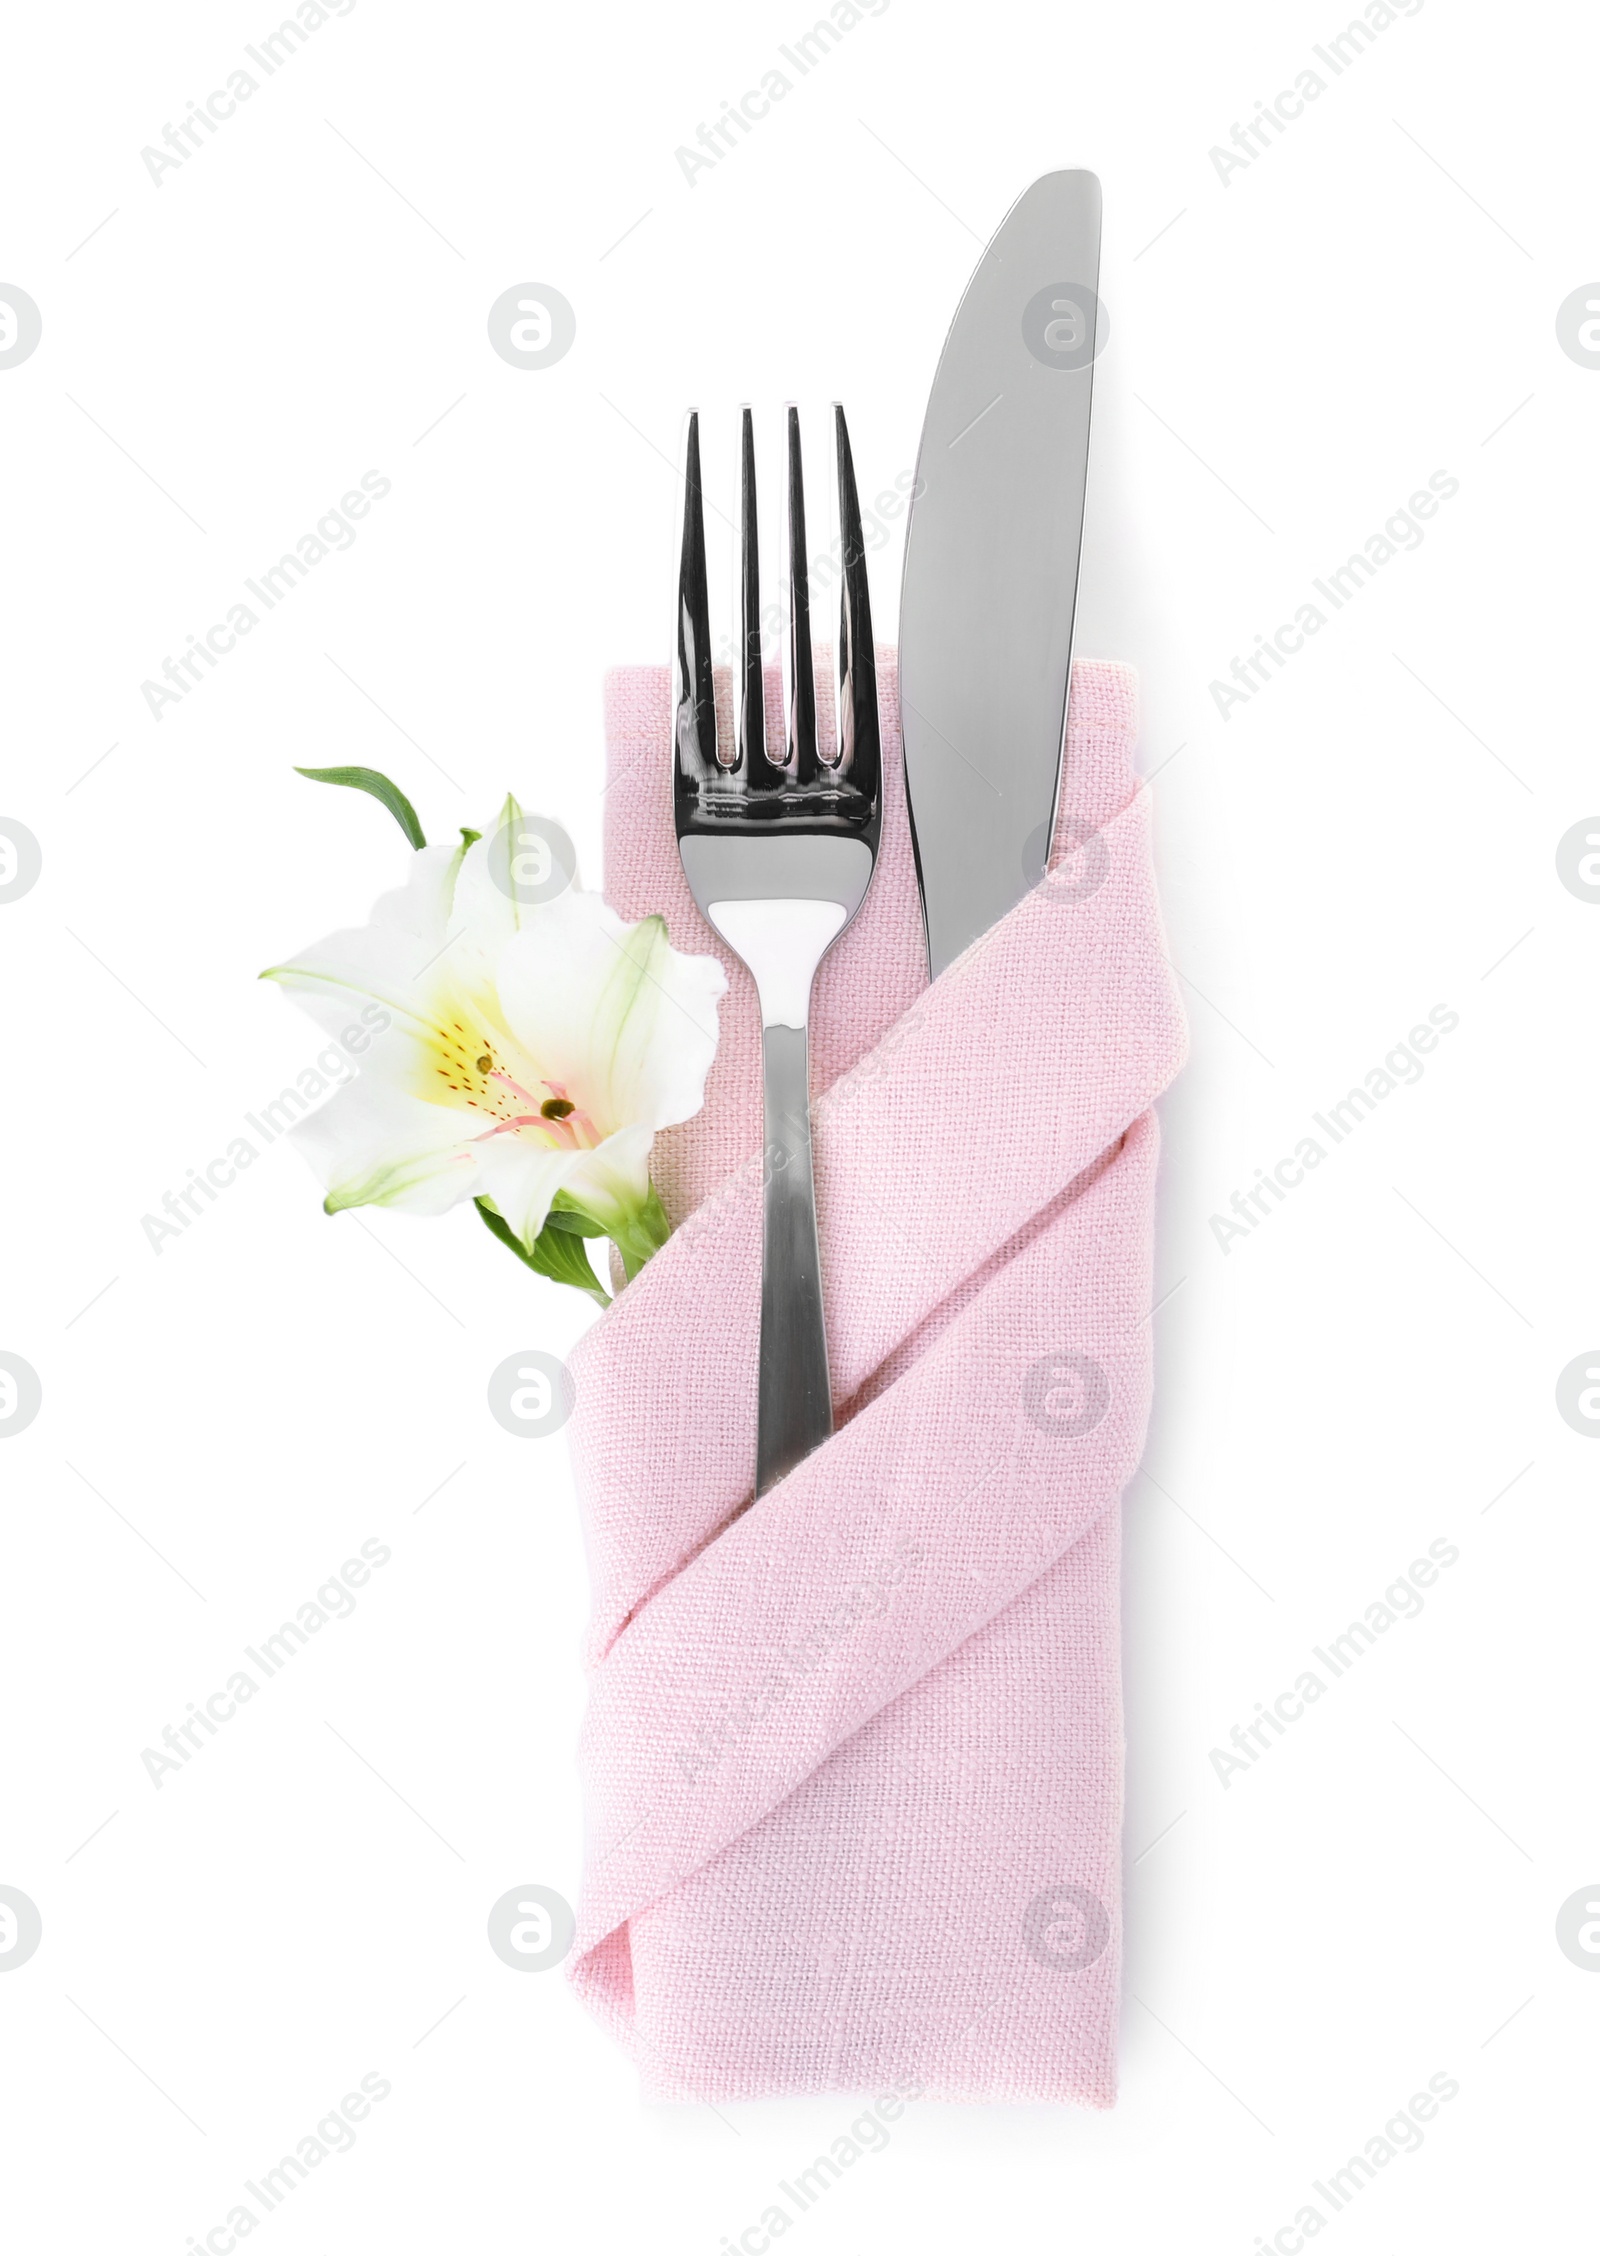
x=530, y=1057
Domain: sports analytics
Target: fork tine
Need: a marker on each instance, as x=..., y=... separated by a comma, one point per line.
x=859, y=753
x=800, y=687
x=749, y=693
x=751, y=762
x=693, y=696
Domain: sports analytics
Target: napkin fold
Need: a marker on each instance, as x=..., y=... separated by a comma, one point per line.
x=852, y=1757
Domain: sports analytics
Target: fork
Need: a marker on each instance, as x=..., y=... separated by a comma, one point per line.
x=779, y=854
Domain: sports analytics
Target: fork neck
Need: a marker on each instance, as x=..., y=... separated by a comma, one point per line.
x=781, y=944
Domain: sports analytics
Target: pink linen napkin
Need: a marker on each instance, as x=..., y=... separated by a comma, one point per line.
x=852, y=1758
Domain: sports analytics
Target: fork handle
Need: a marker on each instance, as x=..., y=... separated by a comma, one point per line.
x=794, y=1405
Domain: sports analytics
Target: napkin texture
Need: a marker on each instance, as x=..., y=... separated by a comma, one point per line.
x=852, y=1758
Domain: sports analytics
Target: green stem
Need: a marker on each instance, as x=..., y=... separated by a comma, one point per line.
x=645, y=1235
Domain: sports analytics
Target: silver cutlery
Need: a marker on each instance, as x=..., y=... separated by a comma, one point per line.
x=991, y=569
x=779, y=850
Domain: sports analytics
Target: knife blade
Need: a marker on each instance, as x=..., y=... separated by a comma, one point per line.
x=991, y=566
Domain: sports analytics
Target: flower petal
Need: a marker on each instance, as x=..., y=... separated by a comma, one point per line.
x=371, y=1146
x=612, y=1011
x=488, y=914
x=522, y=1178
x=612, y=1182
x=385, y=960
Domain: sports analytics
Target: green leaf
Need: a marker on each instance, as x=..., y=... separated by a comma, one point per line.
x=557, y=1254
x=386, y=793
x=565, y=1215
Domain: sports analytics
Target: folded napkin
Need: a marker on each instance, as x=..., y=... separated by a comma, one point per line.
x=852, y=1757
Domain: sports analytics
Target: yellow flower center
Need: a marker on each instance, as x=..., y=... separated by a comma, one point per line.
x=475, y=1075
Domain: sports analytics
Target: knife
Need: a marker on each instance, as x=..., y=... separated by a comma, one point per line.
x=991, y=566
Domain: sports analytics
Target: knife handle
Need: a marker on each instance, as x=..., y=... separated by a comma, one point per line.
x=794, y=1404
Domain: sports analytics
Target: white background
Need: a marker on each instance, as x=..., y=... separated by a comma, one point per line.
x=1293, y=351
